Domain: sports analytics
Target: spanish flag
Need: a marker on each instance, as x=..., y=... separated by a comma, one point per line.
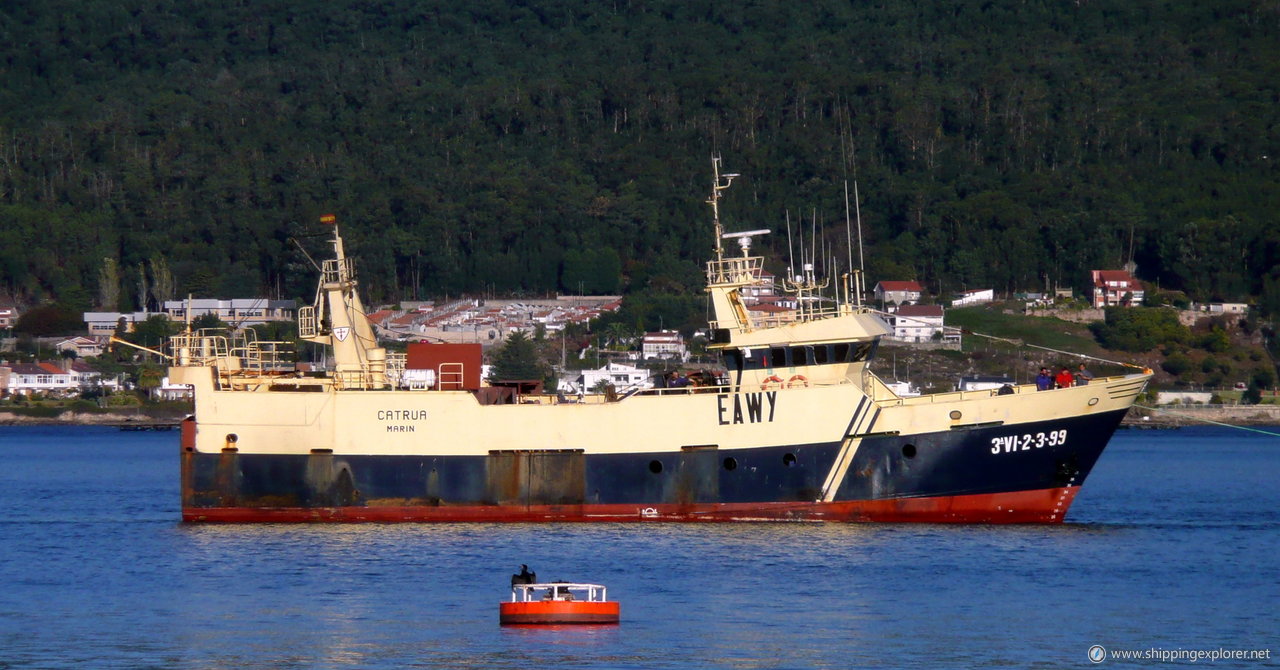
x=329, y=219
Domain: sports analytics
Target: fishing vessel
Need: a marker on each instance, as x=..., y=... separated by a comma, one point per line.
x=798, y=429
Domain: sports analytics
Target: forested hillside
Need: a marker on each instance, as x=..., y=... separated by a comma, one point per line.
x=150, y=149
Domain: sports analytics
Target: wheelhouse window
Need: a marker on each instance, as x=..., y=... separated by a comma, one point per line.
x=784, y=357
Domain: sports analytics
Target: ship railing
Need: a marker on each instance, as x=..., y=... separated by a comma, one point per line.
x=338, y=270
x=775, y=320
x=397, y=361
x=307, y=322
x=351, y=379
x=1014, y=389
x=735, y=271
x=267, y=356
x=452, y=377
x=254, y=356
x=199, y=349
x=684, y=390
x=955, y=396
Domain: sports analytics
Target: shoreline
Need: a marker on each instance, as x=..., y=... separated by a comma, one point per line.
x=1177, y=416
x=70, y=418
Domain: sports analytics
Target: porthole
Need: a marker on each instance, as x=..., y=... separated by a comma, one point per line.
x=789, y=459
x=1093, y=401
x=955, y=415
x=909, y=450
x=655, y=467
x=232, y=438
x=730, y=463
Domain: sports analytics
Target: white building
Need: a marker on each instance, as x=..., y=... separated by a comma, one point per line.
x=974, y=297
x=664, y=344
x=68, y=379
x=903, y=389
x=239, y=312
x=28, y=378
x=1217, y=308
x=622, y=376
x=170, y=391
x=984, y=382
x=104, y=323
x=916, y=323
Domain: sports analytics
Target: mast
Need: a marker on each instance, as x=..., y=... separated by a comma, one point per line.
x=719, y=182
x=338, y=320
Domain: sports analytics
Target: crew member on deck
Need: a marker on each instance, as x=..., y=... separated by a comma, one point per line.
x=1064, y=379
x=1044, y=381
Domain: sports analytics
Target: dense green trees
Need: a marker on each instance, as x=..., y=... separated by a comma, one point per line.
x=517, y=359
x=562, y=145
x=47, y=320
x=1140, y=329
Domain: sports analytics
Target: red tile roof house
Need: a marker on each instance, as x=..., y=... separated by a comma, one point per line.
x=899, y=292
x=69, y=379
x=379, y=320
x=380, y=317
x=771, y=312
x=28, y=378
x=1116, y=287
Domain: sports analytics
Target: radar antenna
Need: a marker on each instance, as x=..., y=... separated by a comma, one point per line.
x=744, y=239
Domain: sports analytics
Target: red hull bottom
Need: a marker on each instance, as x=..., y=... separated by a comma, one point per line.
x=558, y=612
x=1039, y=506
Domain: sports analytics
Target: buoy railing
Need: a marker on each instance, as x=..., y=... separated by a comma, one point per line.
x=557, y=591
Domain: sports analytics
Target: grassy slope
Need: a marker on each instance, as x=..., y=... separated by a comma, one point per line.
x=1038, y=330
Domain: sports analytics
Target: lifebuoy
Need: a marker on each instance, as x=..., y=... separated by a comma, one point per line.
x=804, y=381
x=771, y=379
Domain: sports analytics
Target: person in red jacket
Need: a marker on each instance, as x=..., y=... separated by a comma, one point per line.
x=1064, y=378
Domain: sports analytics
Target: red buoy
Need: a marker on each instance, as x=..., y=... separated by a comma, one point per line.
x=558, y=603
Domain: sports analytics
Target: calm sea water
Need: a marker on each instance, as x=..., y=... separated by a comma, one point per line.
x=1174, y=543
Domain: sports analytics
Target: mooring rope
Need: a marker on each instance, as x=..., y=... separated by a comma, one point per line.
x=1216, y=423
x=1020, y=343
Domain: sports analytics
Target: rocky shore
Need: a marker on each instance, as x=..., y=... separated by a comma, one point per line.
x=122, y=418
x=1173, y=416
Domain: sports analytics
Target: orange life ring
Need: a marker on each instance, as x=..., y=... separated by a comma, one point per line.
x=804, y=381
x=771, y=379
